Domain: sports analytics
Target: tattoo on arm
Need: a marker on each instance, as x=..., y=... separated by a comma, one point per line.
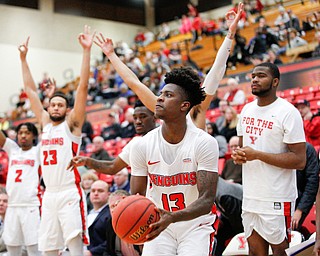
x=207, y=183
x=97, y=165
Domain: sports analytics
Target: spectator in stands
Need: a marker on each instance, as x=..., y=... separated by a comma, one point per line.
x=258, y=45
x=87, y=179
x=86, y=133
x=235, y=96
x=122, y=103
x=121, y=181
x=113, y=128
x=215, y=101
x=295, y=40
x=149, y=37
x=102, y=236
x=281, y=21
x=186, y=24
x=311, y=122
x=230, y=123
x=175, y=56
x=164, y=32
x=239, y=53
x=222, y=142
x=316, y=52
x=223, y=104
x=127, y=126
x=139, y=38
x=228, y=200
x=294, y=22
x=99, y=152
x=192, y=9
x=232, y=172
x=3, y=209
x=307, y=185
x=273, y=57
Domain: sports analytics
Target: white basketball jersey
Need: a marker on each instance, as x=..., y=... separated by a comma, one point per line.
x=58, y=147
x=23, y=175
x=173, y=186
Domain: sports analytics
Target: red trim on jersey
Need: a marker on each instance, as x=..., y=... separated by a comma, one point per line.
x=40, y=192
x=215, y=228
x=287, y=216
x=74, y=149
x=77, y=177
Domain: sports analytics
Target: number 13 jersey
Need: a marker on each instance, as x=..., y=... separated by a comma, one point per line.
x=172, y=168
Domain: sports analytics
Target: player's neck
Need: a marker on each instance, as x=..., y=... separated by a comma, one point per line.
x=174, y=132
x=56, y=123
x=265, y=101
x=26, y=148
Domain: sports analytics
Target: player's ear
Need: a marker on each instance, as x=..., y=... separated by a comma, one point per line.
x=275, y=82
x=185, y=106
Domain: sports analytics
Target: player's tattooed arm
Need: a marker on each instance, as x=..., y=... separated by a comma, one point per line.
x=102, y=166
x=207, y=186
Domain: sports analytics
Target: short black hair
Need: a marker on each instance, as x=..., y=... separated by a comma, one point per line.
x=31, y=128
x=272, y=67
x=62, y=95
x=139, y=104
x=189, y=81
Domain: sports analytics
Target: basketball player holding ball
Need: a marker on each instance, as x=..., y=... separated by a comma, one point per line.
x=181, y=162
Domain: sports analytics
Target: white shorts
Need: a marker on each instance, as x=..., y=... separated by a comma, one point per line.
x=63, y=218
x=273, y=228
x=21, y=226
x=192, y=238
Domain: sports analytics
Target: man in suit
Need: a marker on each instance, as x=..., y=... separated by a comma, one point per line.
x=99, y=221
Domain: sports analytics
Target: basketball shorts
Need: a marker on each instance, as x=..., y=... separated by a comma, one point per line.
x=63, y=218
x=192, y=238
x=273, y=228
x=21, y=226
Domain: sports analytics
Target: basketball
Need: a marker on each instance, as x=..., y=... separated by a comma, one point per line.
x=132, y=217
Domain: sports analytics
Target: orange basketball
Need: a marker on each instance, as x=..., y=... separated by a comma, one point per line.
x=132, y=217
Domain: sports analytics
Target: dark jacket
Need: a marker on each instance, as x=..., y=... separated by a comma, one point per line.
x=102, y=236
x=308, y=182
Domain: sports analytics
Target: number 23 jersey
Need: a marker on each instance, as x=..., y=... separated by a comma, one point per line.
x=58, y=147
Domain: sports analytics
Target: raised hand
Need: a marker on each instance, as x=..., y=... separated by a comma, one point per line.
x=86, y=38
x=233, y=18
x=106, y=45
x=23, y=49
x=50, y=87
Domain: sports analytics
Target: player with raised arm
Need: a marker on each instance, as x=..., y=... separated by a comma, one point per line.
x=63, y=211
x=210, y=83
x=144, y=121
x=176, y=165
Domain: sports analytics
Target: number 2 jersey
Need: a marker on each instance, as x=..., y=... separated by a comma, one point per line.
x=23, y=175
x=58, y=147
x=172, y=168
